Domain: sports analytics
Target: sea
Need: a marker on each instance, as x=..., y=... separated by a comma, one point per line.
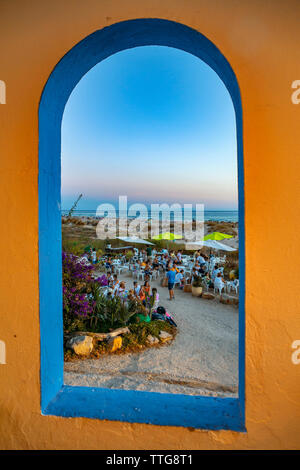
x=220, y=216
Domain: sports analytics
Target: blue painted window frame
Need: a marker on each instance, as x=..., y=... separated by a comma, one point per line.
x=121, y=405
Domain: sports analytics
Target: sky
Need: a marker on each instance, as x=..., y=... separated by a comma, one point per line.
x=155, y=124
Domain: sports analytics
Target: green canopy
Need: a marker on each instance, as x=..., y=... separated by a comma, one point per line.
x=216, y=236
x=167, y=236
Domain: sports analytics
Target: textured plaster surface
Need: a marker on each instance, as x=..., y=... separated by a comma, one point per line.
x=260, y=40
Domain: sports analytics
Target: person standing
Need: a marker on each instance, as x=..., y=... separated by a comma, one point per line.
x=149, y=251
x=94, y=256
x=171, y=274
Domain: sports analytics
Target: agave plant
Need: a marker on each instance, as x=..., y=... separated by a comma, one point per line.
x=197, y=282
x=126, y=311
x=97, y=318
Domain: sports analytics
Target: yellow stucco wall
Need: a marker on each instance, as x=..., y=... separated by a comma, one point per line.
x=261, y=41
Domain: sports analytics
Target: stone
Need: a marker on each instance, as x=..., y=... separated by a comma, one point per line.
x=229, y=299
x=164, y=336
x=208, y=295
x=81, y=345
x=114, y=343
x=152, y=339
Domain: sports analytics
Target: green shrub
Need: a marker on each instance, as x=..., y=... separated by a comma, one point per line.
x=129, y=255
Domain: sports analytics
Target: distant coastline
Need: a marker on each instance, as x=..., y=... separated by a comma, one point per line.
x=220, y=216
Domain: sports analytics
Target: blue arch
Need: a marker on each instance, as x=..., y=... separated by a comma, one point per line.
x=122, y=405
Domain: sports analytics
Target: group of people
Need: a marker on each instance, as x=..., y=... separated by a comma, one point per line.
x=171, y=263
x=148, y=296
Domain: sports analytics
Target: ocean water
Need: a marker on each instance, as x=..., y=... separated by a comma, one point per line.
x=224, y=216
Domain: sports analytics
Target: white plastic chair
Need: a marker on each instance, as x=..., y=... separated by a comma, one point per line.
x=228, y=286
x=219, y=286
x=155, y=274
x=236, y=285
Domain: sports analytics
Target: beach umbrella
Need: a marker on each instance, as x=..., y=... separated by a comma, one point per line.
x=216, y=236
x=218, y=245
x=210, y=244
x=135, y=240
x=167, y=236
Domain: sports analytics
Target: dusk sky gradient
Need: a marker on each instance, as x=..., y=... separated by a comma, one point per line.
x=153, y=123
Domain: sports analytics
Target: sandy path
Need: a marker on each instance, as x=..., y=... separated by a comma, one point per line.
x=202, y=360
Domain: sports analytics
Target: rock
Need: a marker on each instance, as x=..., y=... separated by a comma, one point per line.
x=208, y=295
x=114, y=343
x=152, y=339
x=187, y=288
x=103, y=336
x=81, y=345
x=164, y=336
x=229, y=299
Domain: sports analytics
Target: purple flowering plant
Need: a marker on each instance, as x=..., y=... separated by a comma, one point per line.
x=78, y=282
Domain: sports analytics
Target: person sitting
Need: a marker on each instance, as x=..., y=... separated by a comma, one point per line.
x=108, y=263
x=136, y=288
x=215, y=272
x=201, y=259
x=155, y=270
x=115, y=282
x=202, y=269
x=148, y=269
x=147, y=288
x=212, y=262
x=121, y=289
x=193, y=275
x=154, y=300
x=131, y=296
x=169, y=265
x=197, y=266
x=219, y=283
x=179, y=278
x=142, y=295
x=136, y=251
x=205, y=265
x=85, y=258
x=175, y=267
x=110, y=278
